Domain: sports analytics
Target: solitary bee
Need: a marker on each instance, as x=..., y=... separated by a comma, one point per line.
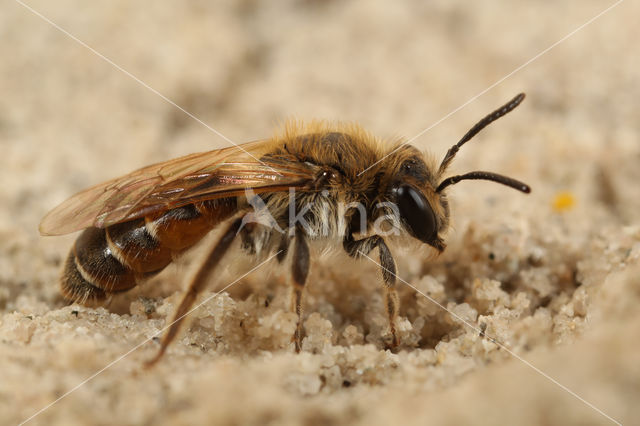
x=333, y=185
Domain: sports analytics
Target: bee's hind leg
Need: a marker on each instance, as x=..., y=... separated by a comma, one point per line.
x=300, y=271
x=197, y=284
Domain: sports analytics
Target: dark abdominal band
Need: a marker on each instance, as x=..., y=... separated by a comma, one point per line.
x=117, y=258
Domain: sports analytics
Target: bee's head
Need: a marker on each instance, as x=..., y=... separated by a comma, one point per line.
x=417, y=189
x=423, y=213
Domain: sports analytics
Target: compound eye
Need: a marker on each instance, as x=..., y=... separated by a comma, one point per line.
x=417, y=214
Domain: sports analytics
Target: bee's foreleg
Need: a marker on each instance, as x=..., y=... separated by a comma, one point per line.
x=359, y=248
x=197, y=284
x=300, y=271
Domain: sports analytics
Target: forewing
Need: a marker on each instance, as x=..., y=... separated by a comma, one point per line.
x=196, y=177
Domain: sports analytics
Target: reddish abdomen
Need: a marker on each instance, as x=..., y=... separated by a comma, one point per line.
x=117, y=258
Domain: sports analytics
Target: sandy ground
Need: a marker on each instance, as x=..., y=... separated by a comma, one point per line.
x=552, y=278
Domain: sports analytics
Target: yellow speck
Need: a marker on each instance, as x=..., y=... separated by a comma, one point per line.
x=563, y=201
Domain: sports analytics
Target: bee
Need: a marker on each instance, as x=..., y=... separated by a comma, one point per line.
x=330, y=185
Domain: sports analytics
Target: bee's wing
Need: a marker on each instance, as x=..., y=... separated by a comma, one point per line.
x=197, y=177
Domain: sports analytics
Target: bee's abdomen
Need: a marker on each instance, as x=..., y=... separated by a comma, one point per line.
x=117, y=258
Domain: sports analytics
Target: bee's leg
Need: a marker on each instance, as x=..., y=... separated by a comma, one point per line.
x=197, y=284
x=300, y=271
x=359, y=248
x=247, y=237
x=283, y=248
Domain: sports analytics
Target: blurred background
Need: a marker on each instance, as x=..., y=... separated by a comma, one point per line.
x=70, y=119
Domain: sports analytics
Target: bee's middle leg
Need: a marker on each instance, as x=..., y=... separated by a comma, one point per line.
x=300, y=271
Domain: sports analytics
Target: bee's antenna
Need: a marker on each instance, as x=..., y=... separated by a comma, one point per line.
x=515, y=184
x=503, y=110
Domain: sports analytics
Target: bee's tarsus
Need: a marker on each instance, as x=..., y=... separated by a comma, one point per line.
x=153, y=361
